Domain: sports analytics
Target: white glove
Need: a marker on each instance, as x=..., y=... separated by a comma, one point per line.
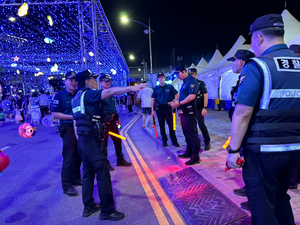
x=232, y=159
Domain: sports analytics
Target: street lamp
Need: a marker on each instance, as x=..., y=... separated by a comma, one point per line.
x=125, y=19
x=132, y=57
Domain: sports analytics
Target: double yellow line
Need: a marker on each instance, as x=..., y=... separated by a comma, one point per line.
x=136, y=158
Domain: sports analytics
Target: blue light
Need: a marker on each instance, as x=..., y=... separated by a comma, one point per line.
x=13, y=64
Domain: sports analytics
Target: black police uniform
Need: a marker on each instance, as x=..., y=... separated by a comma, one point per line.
x=70, y=173
x=202, y=89
x=188, y=118
x=86, y=112
x=163, y=95
x=271, y=144
x=110, y=118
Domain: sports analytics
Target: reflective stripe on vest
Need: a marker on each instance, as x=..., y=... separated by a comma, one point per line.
x=80, y=108
x=265, y=100
x=280, y=148
x=285, y=93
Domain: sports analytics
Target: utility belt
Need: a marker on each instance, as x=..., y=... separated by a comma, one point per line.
x=99, y=130
x=186, y=109
x=161, y=106
x=63, y=128
x=111, y=118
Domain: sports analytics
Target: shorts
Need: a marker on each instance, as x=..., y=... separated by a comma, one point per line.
x=146, y=110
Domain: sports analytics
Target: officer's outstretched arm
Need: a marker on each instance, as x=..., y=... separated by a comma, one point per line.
x=120, y=90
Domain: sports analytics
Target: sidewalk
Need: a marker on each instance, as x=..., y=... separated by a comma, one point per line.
x=212, y=162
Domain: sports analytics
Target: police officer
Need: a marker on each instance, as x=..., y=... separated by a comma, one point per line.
x=110, y=118
x=188, y=115
x=62, y=109
x=201, y=105
x=238, y=60
x=162, y=96
x=295, y=179
x=266, y=122
x=86, y=112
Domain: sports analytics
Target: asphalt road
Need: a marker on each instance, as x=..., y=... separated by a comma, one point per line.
x=30, y=188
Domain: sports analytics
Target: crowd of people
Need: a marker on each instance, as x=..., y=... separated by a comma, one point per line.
x=16, y=107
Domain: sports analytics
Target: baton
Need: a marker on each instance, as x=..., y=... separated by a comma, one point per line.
x=226, y=143
x=174, y=119
x=154, y=127
x=116, y=135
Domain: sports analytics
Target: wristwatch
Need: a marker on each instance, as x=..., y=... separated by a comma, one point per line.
x=179, y=103
x=230, y=151
x=205, y=107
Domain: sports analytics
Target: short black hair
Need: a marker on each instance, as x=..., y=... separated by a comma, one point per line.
x=42, y=91
x=34, y=94
x=80, y=84
x=273, y=31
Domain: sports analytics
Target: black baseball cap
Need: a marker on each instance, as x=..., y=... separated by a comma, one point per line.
x=86, y=74
x=192, y=70
x=70, y=75
x=295, y=48
x=105, y=77
x=242, y=54
x=160, y=74
x=270, y=20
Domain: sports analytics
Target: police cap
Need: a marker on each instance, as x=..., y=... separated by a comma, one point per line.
x=160, y=74
x=70, y=75
x=192, y=70
x=295, y=48
x=242, y=54
x=86, y=74
x=105, y=77
x=270, y=20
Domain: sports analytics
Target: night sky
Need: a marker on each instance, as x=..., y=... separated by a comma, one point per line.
x=193, y=28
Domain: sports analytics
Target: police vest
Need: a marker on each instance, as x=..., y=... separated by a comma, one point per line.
x=275, y=123
x=83, y=120
x=200, y=96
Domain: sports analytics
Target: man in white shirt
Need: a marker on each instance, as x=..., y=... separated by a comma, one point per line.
x=145, y=96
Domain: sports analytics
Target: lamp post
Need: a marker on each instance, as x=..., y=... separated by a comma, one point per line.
x=148, y=31
x=143, y=63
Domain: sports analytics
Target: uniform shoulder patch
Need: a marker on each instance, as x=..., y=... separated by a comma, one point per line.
x=291, y=64
x=242, y=79
x=77, y=95
x=56, y=102
x=192, y=85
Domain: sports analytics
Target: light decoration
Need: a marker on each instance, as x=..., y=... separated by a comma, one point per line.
x=114, y=72
x=50, y=20
x=25, y=38
x=18, y=71
x=54, y=68
x=16, y=58
x=48, y=40
x=91, y=54
x=13, y=64
x=23, y=10
x=38, y=69
x=12, y=19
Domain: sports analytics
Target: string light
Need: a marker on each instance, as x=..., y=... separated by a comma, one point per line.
x=23, y=10
x=25, y=38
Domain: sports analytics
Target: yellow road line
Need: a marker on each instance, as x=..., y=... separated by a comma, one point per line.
x=153, y=201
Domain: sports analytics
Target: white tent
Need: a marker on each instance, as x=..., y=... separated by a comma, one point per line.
x=214, y=60
x=237, y=45
x=291, y=26
x=201, y=64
